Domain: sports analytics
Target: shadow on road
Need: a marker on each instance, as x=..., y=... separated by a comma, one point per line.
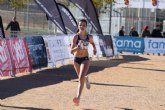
x=13, y=86
x=27, y=108
x=124, y=108
x=110, y=85
x=144, y=69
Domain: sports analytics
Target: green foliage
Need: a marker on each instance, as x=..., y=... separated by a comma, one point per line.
x=109, y=1
x=99, y=3
x=18, y=3
x=15, y=3
x=102, y=4
x=2, y=1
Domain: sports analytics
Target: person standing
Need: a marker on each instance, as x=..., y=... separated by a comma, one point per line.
x=145, y=32
x=156, y=33
x=121, y=31
x=133, y=32
x=14, y=27
x=163, y=34
x=79, y=48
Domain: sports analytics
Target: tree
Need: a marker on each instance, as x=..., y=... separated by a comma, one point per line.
x=101, y=3
x=1, y=1
x=16, y=4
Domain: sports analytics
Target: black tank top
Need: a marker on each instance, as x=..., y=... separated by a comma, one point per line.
x=85, y=41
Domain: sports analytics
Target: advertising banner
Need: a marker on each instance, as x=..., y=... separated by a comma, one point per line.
x=68, y=40
x=19, y=55
x=129, y=44
x=5, y=60
x=37, y=51
x=154, y=45
x=57, y=50
x=107, y=45
x=98, y=44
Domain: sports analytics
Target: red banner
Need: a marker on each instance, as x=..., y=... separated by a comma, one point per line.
x=5, y=60
x=19, y=55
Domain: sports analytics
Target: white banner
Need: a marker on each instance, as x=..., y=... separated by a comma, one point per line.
x=140, y=4
x=97, y=44
x=56, y=49
x=154, y=45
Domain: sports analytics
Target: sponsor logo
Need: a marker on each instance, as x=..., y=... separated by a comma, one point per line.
x=156, y=45
x=3, y=56
x=19, y=51
x=128, y=43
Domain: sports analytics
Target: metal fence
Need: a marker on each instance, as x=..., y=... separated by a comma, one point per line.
x=33, y=21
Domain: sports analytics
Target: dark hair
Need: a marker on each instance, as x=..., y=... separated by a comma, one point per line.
x=157, y=25
x=82, y=20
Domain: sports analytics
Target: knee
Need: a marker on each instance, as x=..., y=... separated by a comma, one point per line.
x=82, y=78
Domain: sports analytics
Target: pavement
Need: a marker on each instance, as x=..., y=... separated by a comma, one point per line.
x=129, y=82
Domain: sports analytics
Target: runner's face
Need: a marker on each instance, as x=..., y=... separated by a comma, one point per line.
x=82, y=26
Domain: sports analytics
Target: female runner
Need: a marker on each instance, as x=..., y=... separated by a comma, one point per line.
x=79, y=48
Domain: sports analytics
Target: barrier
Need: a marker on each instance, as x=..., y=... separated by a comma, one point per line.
x=139, y=45
x=6, y=68
x=107, y=45
x=37, y=51
x=14, y=57
x=129, y=44
x=154, y=46
x=33, y=52
x=57, y=48
x=19, y=55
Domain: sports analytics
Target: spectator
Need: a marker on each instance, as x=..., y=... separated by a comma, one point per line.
x=14, y=27
x=164, y=34
x=133, y=32
x=145, y=32
x=121, y=32
x=156, y=33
